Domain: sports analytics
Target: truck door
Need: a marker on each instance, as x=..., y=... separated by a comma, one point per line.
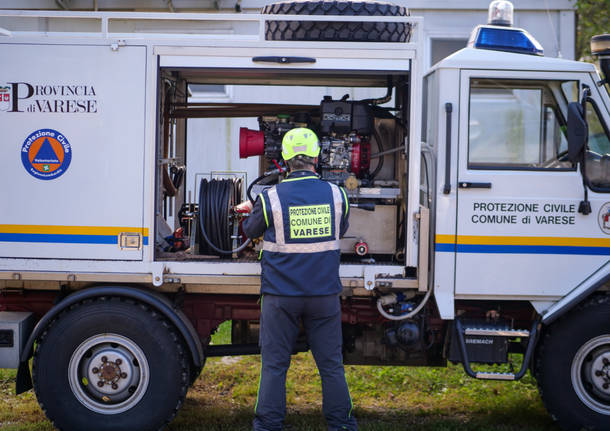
x=519, y=232
x=72, y=119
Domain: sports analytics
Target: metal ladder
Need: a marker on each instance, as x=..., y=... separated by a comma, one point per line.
x=510, y=333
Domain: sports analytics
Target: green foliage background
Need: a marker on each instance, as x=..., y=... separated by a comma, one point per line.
x=593, y=17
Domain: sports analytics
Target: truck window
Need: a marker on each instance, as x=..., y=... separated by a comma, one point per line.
x=597, y=156
x=517, y=125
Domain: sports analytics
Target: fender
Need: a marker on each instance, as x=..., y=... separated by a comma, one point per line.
x=153, y=299
x=578, y=294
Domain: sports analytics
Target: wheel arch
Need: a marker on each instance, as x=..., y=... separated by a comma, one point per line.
x=150, y=298
x=578, y=295
x=564, y=328
x=570, y=302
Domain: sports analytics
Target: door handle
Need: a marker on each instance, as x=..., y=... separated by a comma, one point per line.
x=469, y=185
x=447, y=186
x=283, y=60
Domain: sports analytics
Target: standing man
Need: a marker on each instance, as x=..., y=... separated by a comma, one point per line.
x=302, y=220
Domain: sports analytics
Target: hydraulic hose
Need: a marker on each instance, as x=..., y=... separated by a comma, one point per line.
x=249, y=191
x=384, y=99
x=407, y=315
x=257, y=180
x=216, y=198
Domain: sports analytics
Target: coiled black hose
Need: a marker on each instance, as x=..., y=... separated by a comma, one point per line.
x=216, y=198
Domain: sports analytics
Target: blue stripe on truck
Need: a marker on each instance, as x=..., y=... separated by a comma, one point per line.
x=62, y=238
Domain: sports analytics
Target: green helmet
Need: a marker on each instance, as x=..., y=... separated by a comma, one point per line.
x=300, y=141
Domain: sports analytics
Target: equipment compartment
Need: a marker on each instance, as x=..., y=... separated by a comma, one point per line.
x=359, y=119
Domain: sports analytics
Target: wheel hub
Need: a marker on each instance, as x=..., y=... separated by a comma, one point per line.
x=590, y=374
x=601, y=372
x=108, y=373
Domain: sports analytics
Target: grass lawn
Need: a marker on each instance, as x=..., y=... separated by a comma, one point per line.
x=385, y=399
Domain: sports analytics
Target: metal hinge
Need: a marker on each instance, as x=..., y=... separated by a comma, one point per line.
x=116, y=45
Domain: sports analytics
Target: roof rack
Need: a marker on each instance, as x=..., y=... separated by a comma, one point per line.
x=160, y=25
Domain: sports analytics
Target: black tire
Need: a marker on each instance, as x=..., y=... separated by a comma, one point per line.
x=333, y=30
x=569, y=353
x=151, y=380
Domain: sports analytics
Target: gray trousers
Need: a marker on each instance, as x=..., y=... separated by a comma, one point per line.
x=321, y=317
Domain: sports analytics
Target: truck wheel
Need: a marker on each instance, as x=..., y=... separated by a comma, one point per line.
x=573, y=367
x=337, y=31
x=110, y=364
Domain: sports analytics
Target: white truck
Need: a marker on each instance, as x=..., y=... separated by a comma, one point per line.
x=479, y=225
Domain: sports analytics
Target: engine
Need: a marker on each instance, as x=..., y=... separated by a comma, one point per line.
x=347, y=130
x=344, y=156
x=343, y=127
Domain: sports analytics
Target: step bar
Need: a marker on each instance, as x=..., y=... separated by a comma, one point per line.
x=511, y=333
x=497, y=332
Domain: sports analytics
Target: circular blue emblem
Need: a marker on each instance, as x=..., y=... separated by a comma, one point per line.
x=46, y=154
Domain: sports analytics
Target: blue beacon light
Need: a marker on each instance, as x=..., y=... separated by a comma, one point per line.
x=500, y=36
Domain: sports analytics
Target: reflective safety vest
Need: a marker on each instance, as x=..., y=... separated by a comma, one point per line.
x=305, y=219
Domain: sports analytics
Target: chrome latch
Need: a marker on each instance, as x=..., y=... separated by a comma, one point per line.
x=130, y=241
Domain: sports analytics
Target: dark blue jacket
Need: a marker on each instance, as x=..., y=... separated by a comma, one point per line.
x=314, y=215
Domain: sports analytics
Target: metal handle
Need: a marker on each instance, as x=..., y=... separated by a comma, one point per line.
x=367, y=206
x=284, y=60
x=469, y=185
x=447, y=186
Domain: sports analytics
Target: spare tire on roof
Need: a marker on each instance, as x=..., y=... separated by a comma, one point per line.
x=354, y=31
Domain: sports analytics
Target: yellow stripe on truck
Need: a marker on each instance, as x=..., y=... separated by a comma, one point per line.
x=523, y=240
x=70, y=230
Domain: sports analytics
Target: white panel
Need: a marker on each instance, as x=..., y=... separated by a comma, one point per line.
x=321, y=63
x=444, y=264
x=79, y=213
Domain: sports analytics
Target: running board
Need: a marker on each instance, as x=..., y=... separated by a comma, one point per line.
x=494, y=376
x=497, y=332
x=509, y=333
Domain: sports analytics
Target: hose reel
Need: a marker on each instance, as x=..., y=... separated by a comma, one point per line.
x=218, y=225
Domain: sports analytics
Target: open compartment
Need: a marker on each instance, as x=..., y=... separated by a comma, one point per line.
x=233, y=145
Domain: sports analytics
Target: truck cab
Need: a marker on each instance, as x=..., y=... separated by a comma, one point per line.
x=505, y=174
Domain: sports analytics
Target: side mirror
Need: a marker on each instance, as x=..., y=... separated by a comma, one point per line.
x=578, y=131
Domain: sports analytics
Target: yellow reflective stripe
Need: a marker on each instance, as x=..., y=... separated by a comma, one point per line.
x=338, y=202
x=276, y=212
x=313, y=247
x=70, y=230
x=310, y=177
x=346, y=200
x=265, y=210
x=523, y=240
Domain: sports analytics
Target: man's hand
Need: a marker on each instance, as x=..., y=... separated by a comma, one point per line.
x=244, y=207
